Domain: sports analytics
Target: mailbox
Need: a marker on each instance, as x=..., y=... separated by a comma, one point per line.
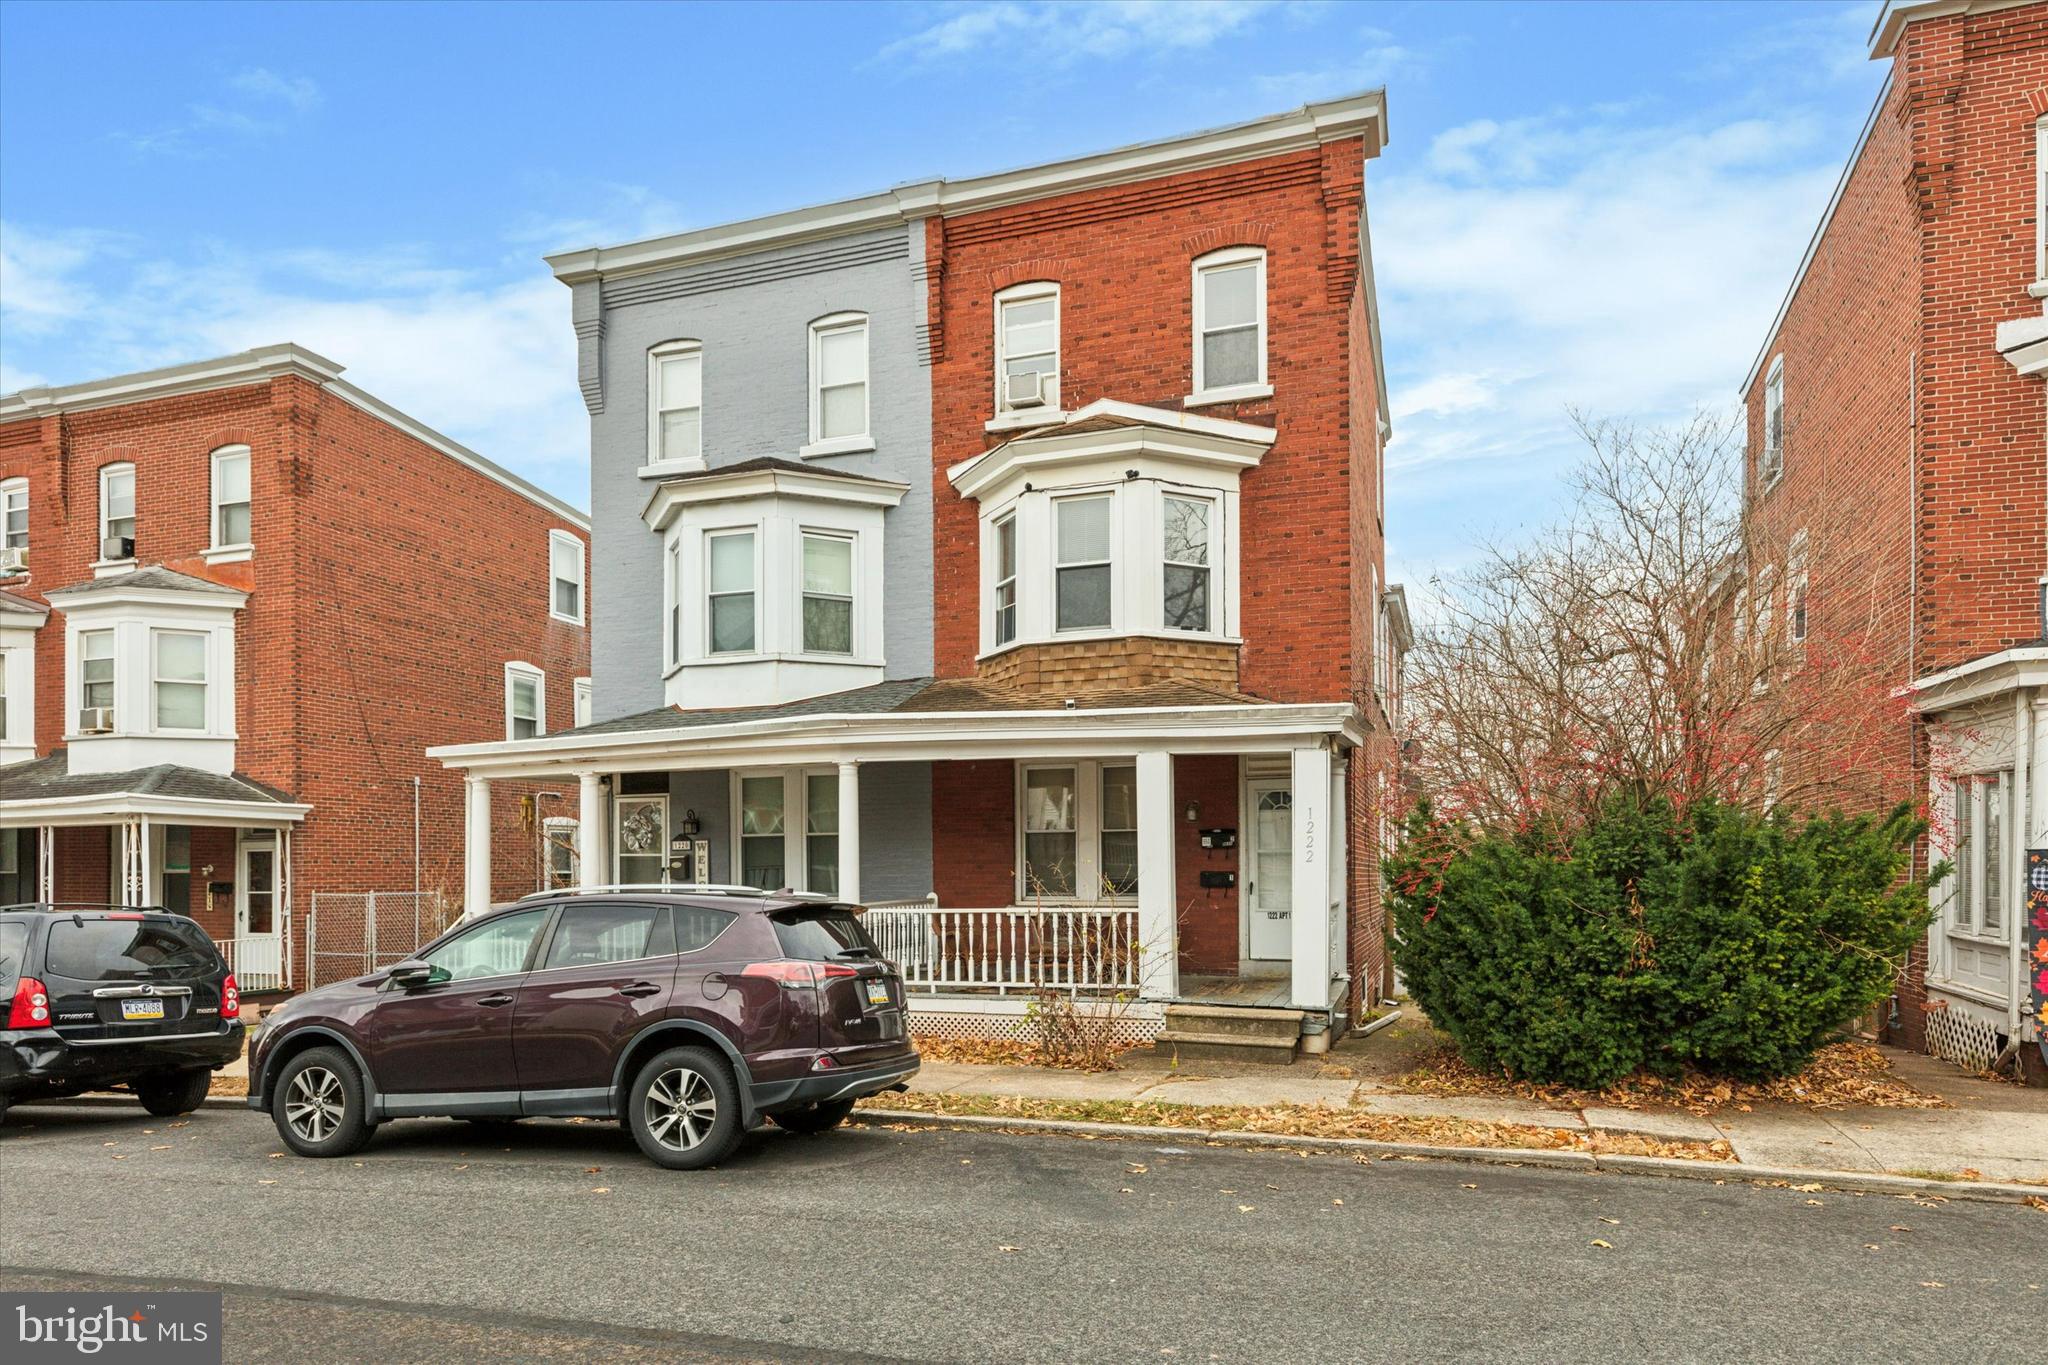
x=1219, y=838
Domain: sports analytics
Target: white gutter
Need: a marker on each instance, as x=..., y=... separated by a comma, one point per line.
x=191, y=810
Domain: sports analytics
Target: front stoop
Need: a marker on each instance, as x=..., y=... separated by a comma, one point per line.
x=1221, y=1033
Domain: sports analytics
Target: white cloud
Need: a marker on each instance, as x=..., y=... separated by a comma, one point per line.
x=1369, y=60
x=268, y=103
x=300, y=92
x=1074, y=32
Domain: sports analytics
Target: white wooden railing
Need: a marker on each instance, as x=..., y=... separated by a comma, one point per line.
x=257, y=960
x=1084, y=949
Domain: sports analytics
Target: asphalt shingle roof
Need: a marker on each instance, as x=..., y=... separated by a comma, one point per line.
x=155, y=576
x=45, y=778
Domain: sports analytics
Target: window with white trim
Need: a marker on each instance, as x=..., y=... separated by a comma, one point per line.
x=1118, y=839
x=1230, y=320
x=95, y=669
x=525, y=701
x=1186, y=541
x=763, y=809
x=729, y=591
x=1028, y=348
x=565, y=576
x=1006, y=580
x=1983, y=817
x=1771, y=462
x=117, y=504
x=178, y=679
x=231, y=498
x=1795, y=591
x=675, y=403
x=1051, y=825
x=579, y=701
x=14, y=514
x=673, y=579
x=6, y=662
x=1078, y=831
x=821, y=833
x=2041, y=204
x=564, y=856
x=839, y=379
x=827, y=605
x=640, y=840
x=1083, y=571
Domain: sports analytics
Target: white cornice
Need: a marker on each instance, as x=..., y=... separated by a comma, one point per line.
x=260, y=365
x=1361, y=116
x=85, y=600
x=671, y=495
x=1179, y=437
x=1893, y=17
x=1990, y=676
x=2024, y=342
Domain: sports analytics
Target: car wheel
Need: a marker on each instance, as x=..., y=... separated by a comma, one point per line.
x=814, y=1118
x=684, y=1109
x=319, y=1106
x=180, y=1092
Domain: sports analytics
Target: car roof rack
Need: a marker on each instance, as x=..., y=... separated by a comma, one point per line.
x=678, y=889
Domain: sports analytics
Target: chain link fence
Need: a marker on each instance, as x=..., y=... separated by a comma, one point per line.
x=351, y=933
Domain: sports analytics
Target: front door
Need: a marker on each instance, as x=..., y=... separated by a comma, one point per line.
x=258, y=960
x=455, y=1033
x=1269, y=896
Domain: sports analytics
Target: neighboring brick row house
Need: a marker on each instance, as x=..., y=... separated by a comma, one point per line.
x=1007, y=553
x=238, y=599
x=1899, y=400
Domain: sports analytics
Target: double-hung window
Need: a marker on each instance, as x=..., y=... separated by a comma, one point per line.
x=231, y=498
x=1051, y=831
x=1080, y=830
x=763, y=806
x=821, y=833
x=1230, y=321
x=179, y=679
x=525, y=702
x=565, y=577
x=1028, y=348
x=674, y=578
x=579, y=701
x=1186, y=567
x=13, y=517
x=1006, y=579
x=1772, y=462
x=729, y=591
x=675, y=403
x=96, y=669
x=1118, y=841
x=827, y=593
x=117, y=508
x=1082, y=572
x=839, y=379
x=1983, y=816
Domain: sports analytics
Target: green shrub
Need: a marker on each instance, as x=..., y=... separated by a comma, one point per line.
x=1725, y=941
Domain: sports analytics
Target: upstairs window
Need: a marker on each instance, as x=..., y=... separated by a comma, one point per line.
x=676, y=403
x=839, y=379
x=1006, y=580
x=729, y=591
x=525, y=704
x=1028, y=348
x=231, y=498
x=1230, y=320
x=96, y=669
x=565, y=575
x=828, y=594
x=179, y=679
x=1082, y=578
x=13, y=520
x=1187, y=563
x=117, y=509
x=1771, y=462
x=2041, y=205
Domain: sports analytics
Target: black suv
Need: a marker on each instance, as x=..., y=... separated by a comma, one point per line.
x=98, y=996
x=691, y=1015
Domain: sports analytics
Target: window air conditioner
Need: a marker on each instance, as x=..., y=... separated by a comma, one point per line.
x=117, y=547
x=96, y=720
x=14, y=560
x=1025, y=389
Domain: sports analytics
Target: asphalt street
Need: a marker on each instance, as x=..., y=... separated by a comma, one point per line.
x=559, y=1242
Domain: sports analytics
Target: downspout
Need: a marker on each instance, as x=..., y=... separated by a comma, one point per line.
x=415, y=840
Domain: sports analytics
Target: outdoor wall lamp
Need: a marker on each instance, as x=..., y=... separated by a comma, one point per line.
x=689, y=825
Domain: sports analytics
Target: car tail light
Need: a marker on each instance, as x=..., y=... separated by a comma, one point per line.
x=787, y=972
x=824, y=1063
x=31, y=1007
x=230, y=998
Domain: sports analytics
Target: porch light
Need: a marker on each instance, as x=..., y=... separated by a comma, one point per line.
x=689, y=824
x=1194, y=812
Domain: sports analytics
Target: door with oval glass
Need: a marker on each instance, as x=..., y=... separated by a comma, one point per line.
x=1269, y=893
x=257, y=955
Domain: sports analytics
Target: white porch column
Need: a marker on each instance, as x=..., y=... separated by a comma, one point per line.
x=46, y=864
x=134, y=851
x=476, y=846
x=1310, y=907
x=849, y=832
x=1158, y=931
x=593, y=855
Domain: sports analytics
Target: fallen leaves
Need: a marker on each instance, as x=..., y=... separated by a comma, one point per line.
x=997, y=1052
x=1603, y=1245
x=2036, y=1202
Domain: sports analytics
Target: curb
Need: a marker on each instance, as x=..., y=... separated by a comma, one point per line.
x=1855, y=1182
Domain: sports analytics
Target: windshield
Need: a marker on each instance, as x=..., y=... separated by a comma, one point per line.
x=155, y=949
x=823, y=934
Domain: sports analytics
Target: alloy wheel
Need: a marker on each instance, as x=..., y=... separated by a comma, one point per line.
x=315, y=1103
x=680, y=1109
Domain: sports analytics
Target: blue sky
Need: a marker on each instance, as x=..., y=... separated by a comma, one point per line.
x=1591, y=205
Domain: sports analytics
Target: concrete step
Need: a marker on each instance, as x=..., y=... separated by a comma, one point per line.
x=1235, y=1021
x=1223, y=1047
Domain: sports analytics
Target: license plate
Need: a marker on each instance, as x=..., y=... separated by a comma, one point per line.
x=142, y=1009
x=878, y=992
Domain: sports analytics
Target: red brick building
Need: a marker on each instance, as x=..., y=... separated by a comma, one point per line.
x=238, y=599
x=1899, y=402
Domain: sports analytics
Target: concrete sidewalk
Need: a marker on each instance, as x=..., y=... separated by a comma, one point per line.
x=1997, y=1131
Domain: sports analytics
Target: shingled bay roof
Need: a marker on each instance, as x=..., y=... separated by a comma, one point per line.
x=50, y=778
x=157, y=577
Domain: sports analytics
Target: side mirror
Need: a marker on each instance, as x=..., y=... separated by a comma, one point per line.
x=411, y=974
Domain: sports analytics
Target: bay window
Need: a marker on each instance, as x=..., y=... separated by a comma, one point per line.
x=231, y=498
x=1082, y=572
x=675, y=403
x=1006, y=580
x=1230, y=324
x=96, y=669
x=1028, y=349
x=1186, y=567
x=827, y=594
x=729, y=591
x=839, y=384
x=179, y=679
x=1983, y=816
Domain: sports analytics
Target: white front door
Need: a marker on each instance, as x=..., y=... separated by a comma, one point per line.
x=1269, y=867
x=256, y=889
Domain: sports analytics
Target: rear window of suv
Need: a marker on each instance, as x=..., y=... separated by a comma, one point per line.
x=130, y=950
x=13, y=943
x=822, y=935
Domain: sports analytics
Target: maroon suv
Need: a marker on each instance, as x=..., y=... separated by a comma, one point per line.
x=692, y=1015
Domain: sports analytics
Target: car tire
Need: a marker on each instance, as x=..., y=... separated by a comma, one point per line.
x=179, y=1092
x=814, y=1118
x=319, y=1104
x=684, y=1109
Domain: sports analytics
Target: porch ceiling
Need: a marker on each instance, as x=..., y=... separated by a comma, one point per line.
x=46, y=792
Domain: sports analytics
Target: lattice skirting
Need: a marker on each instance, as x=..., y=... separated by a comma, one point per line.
x=1964, y=1039
x=935, y=1020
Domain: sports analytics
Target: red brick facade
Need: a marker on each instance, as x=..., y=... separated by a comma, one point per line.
x=1899, y=409
x=389, y=585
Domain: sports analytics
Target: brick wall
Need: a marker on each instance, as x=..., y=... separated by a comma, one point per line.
x=1208, y=917
x=974, y=833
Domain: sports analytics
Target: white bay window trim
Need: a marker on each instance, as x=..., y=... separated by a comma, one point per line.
x=565, y=577
x=732, y=590
x=675, y=406
x=526, y=700
x=1217, y=271
x=177, y=679
x=233, y=505
x=839, y=380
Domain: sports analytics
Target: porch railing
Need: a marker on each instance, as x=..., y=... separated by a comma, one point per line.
x=257, y=960
x=1083, y=949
